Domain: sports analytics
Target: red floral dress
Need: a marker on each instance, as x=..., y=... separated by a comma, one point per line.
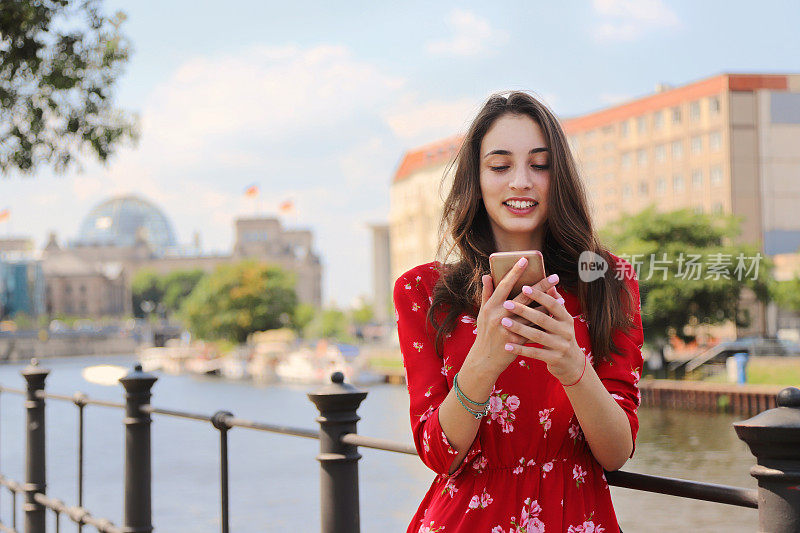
x=529, y=468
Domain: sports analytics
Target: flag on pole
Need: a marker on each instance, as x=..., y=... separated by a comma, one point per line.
x=5, y=214
x=287, y=206
x=251, y=191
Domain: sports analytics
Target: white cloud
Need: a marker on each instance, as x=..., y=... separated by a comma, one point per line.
x=614, y=98
x=471, y=36
x=416, y=122
x=303, y=123
x=629, y=20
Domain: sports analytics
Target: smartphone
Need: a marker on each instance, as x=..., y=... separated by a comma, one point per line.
x=500, y=263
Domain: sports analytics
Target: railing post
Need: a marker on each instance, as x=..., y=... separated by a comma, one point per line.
x=774, y=438
x=338, y=405
x=35, y=471
x=138, y=477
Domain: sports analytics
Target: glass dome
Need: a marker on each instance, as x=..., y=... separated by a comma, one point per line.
x=116, y=222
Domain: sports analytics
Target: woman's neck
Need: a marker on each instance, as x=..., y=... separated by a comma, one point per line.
x=513, y=243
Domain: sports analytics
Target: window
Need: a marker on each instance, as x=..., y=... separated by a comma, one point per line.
x=608, y=145
x=697, y=144
x=642, y=188
x=626, y=191
x=677, y=150
x=714, y=141
x=608, y=177
x=661, y=153
x=611, y=191
x=590, y=151
x=608, y=161
x=676, y=115
x=658, y=120
x=714, y=105
x=607, y=130
x=715, y=176
x=718, y=207
x=677, y=183
x=697, y=178
x=641, y=125
x=694, y=111
x=623, y=129
x=641, y=157
x=698, y=209
x=661, y=186
x=590, y=134
x=626, y=160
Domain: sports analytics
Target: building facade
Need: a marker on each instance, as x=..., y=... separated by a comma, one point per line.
x=417, y=196
x=726, y=144
x=22, y=285
x=92, y=275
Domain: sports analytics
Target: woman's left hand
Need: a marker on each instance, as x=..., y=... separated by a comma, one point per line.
x=560, y=351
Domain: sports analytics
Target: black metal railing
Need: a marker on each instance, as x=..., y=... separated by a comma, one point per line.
x=773, y=437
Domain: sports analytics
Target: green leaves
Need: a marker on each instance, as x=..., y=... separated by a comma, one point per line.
x=673, y=295
x=59, y=63
x=237, y=300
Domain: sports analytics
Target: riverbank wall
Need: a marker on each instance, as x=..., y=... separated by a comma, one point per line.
x=20, y=349
x=740, y=399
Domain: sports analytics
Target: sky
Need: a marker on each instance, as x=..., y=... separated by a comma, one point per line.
x=317, y=101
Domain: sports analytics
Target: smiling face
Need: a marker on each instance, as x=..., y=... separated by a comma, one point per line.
x=514, y=180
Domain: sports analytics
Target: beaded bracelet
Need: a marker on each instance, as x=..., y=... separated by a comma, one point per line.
x=459, y=395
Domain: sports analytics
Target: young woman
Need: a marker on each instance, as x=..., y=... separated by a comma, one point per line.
x=555, y=369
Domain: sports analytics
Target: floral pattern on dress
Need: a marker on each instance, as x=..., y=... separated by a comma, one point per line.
x=501, y=409
x=529, y=521
x=431, y=528
x=466, y=319
x=506, y=482
x=587, y=526
x=579, y=475
x=480, y=502
x=544, y=419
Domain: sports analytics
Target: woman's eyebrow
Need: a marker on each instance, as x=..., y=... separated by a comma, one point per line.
x=506, y=152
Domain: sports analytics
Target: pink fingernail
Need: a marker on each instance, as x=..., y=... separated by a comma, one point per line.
x=561, y=301
x=506, y=322
x=509, y=348
x=553, y=278
x=508, y=304
x=527, y=290
x=522, y=261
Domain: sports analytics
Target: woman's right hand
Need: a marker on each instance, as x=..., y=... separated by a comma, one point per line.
x=488, y=352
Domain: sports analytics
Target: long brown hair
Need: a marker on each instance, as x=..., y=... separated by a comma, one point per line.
x=568, y=231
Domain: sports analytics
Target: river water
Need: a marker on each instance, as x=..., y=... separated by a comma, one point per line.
x=274, y=479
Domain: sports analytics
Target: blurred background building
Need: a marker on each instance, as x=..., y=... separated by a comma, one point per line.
x=725, y=144
x=91, y=275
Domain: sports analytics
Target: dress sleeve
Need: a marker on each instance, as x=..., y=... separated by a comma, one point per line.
x=425, y=377
x=621, y=375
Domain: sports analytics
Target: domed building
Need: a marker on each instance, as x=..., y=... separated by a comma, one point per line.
x=123, y=220
x=91, y=277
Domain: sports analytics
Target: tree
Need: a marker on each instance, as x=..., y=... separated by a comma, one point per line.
x=59, y=64
x=178, y=285
x=302, y=317
x=237, y=300
x=146, y=287
x=331, y=323
x=787, y=294
x=363, y=314
x=671, y=301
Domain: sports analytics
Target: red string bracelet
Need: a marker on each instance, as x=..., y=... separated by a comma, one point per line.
x=582, y=371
